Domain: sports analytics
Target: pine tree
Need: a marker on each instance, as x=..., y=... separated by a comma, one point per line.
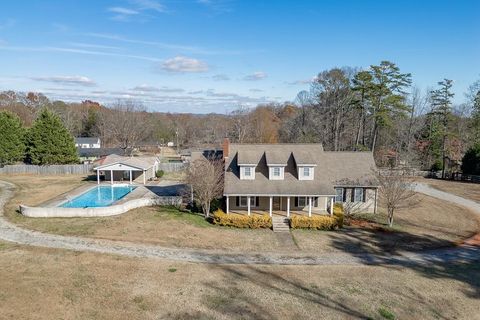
x=49, y=142
x=442, y=107
x=12, y=134
x=476, y=118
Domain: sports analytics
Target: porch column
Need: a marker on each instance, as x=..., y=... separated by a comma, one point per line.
x=111, y=176
x=288, y=207
x=144, y=178
x=331, y=206
x=130, y=176
x=309, y=206
x=227, y=203
x=271, y=205
x=248, y=204
x=98, y=176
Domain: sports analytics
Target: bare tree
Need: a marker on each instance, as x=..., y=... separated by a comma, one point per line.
x=240, y=123
x=205, y=177
x=396, y=190
x=125, y=124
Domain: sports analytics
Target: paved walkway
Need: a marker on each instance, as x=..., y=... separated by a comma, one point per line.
x=13, y=233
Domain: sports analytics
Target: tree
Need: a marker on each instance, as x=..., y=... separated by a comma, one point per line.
x=362, y=86
x=205, y=177
x=471, y=161
x=396, y=191
x=49, y=142
x=387, y=97
x=442, y=107
x=12, y=143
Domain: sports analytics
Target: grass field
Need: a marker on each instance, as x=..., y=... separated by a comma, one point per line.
x=59, y=284
x=463, y=189
x=432, y=223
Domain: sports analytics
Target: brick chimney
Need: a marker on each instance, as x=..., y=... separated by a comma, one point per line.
x=226, y=147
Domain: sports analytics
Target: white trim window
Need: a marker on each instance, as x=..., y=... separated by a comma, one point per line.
x=358, y=195
x=276, y=171
x=247, y=172
x=339, y=195
x=243, y=201
x=302, y=201
x=306, y=171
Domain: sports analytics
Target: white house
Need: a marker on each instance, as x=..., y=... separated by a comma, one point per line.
x=87, y=142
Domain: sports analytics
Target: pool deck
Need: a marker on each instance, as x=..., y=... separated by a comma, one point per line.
x=153, y=193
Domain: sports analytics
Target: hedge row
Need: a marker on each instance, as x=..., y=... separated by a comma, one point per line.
x=242, y=221
x=319, y=222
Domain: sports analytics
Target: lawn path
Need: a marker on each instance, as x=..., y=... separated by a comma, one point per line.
x=12, y=233
x=431, y=191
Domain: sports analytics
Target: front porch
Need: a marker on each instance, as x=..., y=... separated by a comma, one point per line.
x=284, y=206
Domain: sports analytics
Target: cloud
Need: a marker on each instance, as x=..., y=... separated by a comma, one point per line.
x=218, y=6
x=302, y=82
x=138, y=8
x=256, y=90
x=181, y=64
x=123, y=11
x=67, y=80
x=220, y=77
x=258, y=75
x=147, y=88
x=91, y=45
x=149, y=5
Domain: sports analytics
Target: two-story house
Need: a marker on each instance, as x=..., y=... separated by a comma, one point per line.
x=291, y=179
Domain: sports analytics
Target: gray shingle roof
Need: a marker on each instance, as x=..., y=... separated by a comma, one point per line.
x=137, y=162
x=332, y=169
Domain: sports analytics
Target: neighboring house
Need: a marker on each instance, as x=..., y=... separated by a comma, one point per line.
x=128, y=169
x=296, y=179
x=89, y=155
x=87, y=142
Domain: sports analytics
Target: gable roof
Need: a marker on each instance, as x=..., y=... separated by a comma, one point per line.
x=137, y=162
x=87, y=140
x=331, y=169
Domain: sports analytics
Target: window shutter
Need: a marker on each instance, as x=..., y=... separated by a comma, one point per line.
x=353, y=195
x=344, y=195
x=315, y=202
x=364, y=195
x=237, y=201
x=296, y=201
x=257, y=201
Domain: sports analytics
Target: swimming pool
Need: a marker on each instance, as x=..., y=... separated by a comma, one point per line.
x=100, y=196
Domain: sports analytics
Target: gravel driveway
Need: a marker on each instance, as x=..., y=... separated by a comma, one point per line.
x=13, y=233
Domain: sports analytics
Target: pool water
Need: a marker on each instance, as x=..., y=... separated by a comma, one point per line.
x=100, y=196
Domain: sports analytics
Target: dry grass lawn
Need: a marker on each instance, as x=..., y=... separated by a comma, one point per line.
x=463, y=189
x=432, y=223
x=59, y=284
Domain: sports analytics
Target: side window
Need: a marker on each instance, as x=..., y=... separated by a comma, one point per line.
x=302, y=202
x=306, y=171
x=358, y=196
x=276, y=171
x=248, y=171
x=339, y=195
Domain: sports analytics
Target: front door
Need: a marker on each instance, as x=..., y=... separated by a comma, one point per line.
x=276, y=203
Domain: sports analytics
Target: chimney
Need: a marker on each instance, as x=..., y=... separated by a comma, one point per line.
x=226, y=147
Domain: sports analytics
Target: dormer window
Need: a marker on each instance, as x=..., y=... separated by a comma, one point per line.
x=276, y=172
x=305, y=172
x=247, y=172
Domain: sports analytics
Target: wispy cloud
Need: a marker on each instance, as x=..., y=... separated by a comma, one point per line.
x=302, y=82
x=91, y=45
x=217, y=6
x=137, y=8
x=163, y=45
x=258, y=75
x=181, y=64
x=148, y=88
x=256, y=90
x=220, y=77
x=67, y=80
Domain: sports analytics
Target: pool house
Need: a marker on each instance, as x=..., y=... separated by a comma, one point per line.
x=117, y=168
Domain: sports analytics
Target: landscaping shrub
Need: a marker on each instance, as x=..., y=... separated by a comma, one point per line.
x=332, y=222
x=159, y=173
x=241, y=221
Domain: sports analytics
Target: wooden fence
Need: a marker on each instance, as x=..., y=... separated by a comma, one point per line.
x=172, y=166
x=56, y=169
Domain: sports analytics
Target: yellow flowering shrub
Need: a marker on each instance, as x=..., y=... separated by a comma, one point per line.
x=242, y=221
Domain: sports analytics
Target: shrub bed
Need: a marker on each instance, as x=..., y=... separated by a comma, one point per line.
x=332, y=222
x=241, y=221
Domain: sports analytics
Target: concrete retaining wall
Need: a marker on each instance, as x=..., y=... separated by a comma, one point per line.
x=57, y=212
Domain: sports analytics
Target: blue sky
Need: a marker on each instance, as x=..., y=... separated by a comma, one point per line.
x=213, y=55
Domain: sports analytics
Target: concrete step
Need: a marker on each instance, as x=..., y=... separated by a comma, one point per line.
x=280, y=224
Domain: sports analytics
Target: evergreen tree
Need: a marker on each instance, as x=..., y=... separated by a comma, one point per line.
x=49, y=142
x=476, y=118
x=471, y=161
x=12, y=144
x=442, y=107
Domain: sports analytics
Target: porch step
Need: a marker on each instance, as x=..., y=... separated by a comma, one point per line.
x=280, y=224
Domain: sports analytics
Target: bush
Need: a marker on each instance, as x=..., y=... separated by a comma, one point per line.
x=159, y=173
x=241, y=221
x=332, y=222
x=436, y=166
x=471, y=161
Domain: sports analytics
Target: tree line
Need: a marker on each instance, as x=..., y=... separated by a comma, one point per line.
x=347, y=109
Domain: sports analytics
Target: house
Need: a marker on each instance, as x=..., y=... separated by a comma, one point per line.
x=130, y=169
x=87, y=142
x=90, y=155
x=304, y=179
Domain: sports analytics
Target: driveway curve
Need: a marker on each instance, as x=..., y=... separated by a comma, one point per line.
x=12, y=233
